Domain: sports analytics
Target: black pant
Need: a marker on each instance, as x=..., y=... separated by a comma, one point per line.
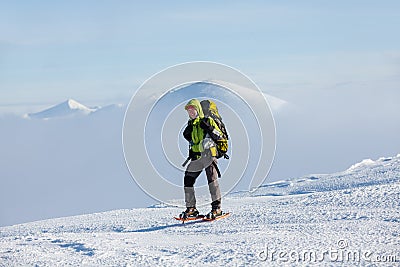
x=192, y=172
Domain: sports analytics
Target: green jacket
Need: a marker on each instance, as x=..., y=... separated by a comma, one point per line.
x=197, y=129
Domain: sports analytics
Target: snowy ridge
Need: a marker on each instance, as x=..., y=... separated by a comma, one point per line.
x=354, y=212
x=365, y=173
x=65, y=109
x=208, y=86
x=275, y=103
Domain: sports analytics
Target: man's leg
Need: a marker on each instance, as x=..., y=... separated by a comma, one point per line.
x=213, y=186
x=189, y=180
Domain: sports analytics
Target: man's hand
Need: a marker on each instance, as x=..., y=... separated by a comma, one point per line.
x=208, y=128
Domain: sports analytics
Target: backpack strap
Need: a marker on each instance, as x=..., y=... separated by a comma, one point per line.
x=217, y=169
x=186, y=161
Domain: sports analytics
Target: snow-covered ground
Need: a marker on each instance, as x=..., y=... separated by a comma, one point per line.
x=346, y=218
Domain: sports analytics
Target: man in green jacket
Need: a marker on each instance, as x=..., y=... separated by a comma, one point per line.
x=201, y=133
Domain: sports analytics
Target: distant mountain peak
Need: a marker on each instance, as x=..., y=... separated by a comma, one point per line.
x=68, y=108
x=72, y=104
x=275, y=103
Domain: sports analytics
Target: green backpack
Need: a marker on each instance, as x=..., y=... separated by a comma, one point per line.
x=210, y=110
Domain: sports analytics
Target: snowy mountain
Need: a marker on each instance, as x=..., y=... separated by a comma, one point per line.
x=275, y=103
x=346, y=218
x=212, y=89
x=68, y=108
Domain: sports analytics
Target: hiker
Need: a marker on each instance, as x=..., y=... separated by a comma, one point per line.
x=202, y=133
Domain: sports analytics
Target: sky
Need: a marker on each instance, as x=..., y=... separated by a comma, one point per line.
x=101, y=51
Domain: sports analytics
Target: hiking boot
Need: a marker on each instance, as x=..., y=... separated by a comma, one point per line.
x=214, y=213
x=189, y=212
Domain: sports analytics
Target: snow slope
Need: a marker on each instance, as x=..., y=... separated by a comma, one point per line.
x=346, y=218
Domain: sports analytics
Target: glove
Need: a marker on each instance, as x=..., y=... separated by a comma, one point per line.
x=193, y=155
x=208, y=128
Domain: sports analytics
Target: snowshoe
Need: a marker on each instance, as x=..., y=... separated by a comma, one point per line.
x=189, y=213
x=213, y=214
